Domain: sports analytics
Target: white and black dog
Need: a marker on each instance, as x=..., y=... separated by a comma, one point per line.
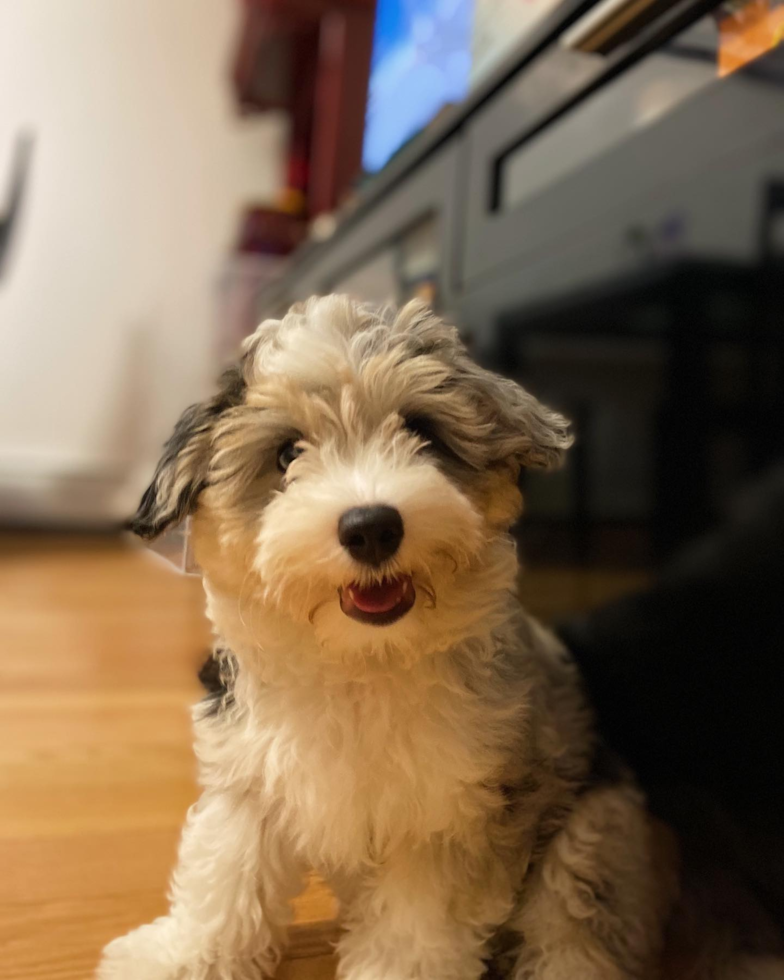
x=392, y=717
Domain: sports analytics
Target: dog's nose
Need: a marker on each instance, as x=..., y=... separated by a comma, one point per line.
x=371, y=534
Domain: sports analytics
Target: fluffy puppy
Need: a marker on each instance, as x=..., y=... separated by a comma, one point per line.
x=391, y=716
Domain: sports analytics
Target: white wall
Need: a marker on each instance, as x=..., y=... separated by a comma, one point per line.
x=140, y=167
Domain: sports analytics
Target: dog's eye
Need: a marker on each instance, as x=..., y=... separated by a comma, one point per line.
x=287, y=453
x=420, y=426
x=423, y=427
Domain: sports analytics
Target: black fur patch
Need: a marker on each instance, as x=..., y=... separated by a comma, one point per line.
x=218, y=681
x=437, y=443
x=152, y=518
x=503, y=950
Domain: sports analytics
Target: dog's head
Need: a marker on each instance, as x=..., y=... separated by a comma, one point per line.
x=354, y=480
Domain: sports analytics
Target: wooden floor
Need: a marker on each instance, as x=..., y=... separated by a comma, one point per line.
x=99, y=647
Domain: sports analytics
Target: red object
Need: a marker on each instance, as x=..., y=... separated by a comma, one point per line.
x=270, y=232
x=311, y=58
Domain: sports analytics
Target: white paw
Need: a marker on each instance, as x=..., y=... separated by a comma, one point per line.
x=147, y=953
x=163, y=951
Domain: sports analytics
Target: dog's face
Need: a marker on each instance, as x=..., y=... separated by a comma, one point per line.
x=355, y=479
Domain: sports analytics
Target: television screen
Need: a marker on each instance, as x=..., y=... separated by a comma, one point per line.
x=421, y=63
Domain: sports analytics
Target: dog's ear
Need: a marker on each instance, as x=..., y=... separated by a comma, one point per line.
x=521, y=427
x=514, y=424
x=183, y=469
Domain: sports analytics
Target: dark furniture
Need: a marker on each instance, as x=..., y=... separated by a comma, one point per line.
x=607, y=225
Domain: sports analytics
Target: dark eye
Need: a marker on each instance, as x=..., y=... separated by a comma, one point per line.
x=287, y=453
x=425, y=428
x=420, y=426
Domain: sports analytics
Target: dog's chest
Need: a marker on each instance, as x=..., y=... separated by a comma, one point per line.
x=361, y=767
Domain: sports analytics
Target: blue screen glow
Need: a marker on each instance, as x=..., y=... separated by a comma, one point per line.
x=421, y=62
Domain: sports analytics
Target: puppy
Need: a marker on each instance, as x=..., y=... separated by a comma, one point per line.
x=390, y=716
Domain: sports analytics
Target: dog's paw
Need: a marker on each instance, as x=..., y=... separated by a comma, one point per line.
x=162, y=951
x=147, y=953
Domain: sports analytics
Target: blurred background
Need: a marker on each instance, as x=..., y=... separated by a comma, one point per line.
x=592, y=190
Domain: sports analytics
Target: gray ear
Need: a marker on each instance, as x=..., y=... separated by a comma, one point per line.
x=514, y=424
x=522, y=427
x=183, y=469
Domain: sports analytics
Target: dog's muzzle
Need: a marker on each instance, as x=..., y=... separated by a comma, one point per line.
x=372, y=535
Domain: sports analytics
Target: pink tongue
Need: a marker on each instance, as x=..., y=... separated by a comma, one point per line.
x=378, y=598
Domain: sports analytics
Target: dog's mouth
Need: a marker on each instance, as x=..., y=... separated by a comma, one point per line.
x=380, y=604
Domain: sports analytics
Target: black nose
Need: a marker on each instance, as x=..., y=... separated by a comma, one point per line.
x=371, y=534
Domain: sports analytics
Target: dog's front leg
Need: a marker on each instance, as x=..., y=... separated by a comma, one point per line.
x=425, y=914
x=229, y=897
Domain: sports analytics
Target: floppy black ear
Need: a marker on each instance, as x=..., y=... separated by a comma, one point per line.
x=183, y=469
